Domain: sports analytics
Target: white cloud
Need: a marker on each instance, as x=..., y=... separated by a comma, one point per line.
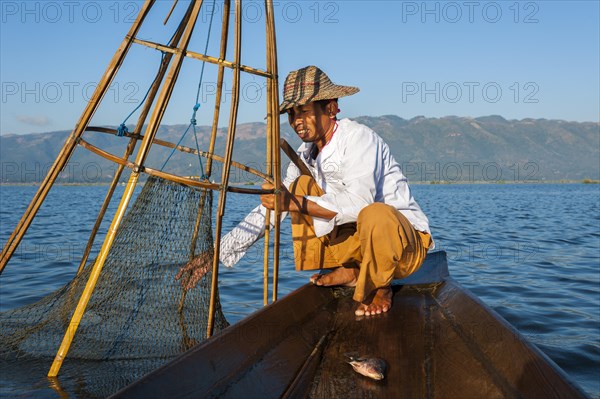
x=34, y=120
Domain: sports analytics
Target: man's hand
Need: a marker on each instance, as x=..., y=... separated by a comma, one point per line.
x=195, y=269
x=287, y=201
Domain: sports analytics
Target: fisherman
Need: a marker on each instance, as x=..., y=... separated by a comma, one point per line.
x=354, y=214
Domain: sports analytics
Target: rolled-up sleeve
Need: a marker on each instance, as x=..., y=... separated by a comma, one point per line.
x=360, y=169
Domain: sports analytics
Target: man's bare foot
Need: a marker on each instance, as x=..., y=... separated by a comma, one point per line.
x=345, y=276
x=381, y=303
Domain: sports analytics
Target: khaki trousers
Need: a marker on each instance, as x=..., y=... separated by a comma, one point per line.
x=382, y=243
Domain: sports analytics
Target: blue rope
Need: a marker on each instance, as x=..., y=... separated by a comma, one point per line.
x=193, y=123
x=122, y=129
x=173, y=150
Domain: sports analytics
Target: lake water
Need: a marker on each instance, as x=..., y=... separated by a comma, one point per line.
x=531, y=252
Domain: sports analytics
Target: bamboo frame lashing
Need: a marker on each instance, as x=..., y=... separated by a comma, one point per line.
x=235, y=89
x=71, y=142
x=191, y=16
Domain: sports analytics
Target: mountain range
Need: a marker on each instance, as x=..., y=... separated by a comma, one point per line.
x=447, y=149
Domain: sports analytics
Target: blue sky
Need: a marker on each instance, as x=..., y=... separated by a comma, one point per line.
x=518, y=59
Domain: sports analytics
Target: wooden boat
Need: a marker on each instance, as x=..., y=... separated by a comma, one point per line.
x=438, y=340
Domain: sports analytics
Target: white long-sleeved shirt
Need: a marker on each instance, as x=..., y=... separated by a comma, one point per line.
x=354, y=169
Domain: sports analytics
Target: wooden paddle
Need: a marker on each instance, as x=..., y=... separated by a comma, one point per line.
x=293, y=156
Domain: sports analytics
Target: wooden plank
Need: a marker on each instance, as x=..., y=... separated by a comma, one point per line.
x=397, y=336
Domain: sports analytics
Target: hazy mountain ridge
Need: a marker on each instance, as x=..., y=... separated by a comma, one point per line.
x=451, y=148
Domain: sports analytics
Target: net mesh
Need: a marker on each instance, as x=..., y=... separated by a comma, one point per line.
x=137, y=310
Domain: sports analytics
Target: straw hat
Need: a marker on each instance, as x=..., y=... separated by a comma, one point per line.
x=310, y=84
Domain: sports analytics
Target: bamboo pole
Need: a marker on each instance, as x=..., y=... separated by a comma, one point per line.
x=170, y=12
x=89, y=287
x=190, y=21
x=269, y=160
x=202, y=57
x=222, y=55
x=273, y=106
x=266, y=258
x=226, y=164
x=71, y=142
x=268, y=167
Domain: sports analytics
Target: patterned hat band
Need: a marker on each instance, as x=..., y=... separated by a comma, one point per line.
x=310, y=84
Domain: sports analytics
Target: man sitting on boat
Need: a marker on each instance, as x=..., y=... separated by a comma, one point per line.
x=355, y=214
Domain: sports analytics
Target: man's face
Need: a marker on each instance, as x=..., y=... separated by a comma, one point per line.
x=310, y=121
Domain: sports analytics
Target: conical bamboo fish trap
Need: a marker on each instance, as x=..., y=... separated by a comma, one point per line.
x=125, y=250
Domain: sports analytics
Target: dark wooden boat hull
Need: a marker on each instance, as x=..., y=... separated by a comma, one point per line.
x=438, y=341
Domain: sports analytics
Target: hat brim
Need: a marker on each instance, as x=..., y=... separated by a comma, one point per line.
x=334, y=91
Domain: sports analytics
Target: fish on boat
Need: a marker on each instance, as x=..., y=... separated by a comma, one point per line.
x=438, y=340
x=372, y=367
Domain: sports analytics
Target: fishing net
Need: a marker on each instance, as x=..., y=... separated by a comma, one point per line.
x=138, y=311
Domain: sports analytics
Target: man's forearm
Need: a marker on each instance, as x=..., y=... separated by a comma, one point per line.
x=307, y=207
x=294, y=203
